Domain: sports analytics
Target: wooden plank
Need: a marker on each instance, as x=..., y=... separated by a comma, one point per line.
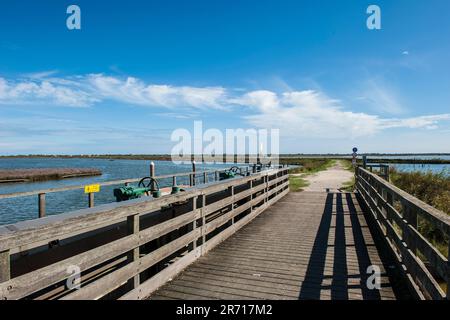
x=117, y=278
x=133, y=255
x=28, y=283
x=5, y=267
x=164, y=276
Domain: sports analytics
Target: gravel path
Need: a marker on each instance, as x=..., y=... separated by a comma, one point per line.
x=332, y=179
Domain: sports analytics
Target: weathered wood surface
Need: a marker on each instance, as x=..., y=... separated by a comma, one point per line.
x=309, y=245
x=127, y=262
x=395, y=213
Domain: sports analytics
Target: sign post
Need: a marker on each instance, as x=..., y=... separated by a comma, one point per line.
x=91, y=190
x=354, y=156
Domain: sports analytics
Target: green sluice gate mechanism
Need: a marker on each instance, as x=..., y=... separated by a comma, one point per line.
x=147, y=185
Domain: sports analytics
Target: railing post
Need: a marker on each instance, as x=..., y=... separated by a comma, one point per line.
x=251, y=195
x=410, y=215
x=174, y=181
x=152, y=175
x=91, y=199
x=193, y=175
x=5, y=268
x=194, y=223
x=205, y=178
x=133, y=255
x=41, y=202
x=231, y=192
x=216, y=175
x=448, y=269
x=203, y=215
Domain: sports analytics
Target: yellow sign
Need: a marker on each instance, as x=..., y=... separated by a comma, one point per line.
x=92, y=188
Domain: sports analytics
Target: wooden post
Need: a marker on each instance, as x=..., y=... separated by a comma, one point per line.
x=152, y=175
x=41, y=202
x=410, y=216
x=216, y=175
x=133, y=255
x=174, y=180
x=231, y=192
x=251, y=194
x=203, y=218
x=194, y=223
x=91, y=200
x=205, y=178
x=5, y=269
x=364, y=162
x=448, y=268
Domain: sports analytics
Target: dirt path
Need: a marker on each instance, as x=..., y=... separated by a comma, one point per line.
x=332, y=179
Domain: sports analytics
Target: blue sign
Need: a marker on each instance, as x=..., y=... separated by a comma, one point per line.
x=355, y=149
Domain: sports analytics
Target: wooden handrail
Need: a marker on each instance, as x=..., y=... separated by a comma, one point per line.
x=206, y=223
x=395, y=213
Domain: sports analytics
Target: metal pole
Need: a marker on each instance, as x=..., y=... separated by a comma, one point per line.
x=41, y=205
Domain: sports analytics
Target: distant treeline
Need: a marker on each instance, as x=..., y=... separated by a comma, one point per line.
x=284, y=158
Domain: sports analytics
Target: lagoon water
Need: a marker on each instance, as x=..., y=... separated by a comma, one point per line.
x=25, y=208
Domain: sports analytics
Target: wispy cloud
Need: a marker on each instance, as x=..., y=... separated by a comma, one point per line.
x=313, y=114
x=86, y=90
x=296, y=113
x=382, y=98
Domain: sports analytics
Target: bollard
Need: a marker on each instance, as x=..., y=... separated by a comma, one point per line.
x=41, y=205
x=152, y=175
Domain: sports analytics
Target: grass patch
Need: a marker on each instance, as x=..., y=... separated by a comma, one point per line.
x=433, y=189
x=349, y=186
x=309, y=165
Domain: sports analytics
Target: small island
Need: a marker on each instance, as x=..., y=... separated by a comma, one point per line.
x=45, y=174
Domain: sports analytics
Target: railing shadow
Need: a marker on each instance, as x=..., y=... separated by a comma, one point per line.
x=316, y=278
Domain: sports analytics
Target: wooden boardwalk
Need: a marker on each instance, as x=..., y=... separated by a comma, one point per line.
x=309, y=245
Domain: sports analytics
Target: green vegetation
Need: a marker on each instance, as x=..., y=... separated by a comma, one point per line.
x=433, y=189
x=297, y=183
x=349, y=186
x=309, y=165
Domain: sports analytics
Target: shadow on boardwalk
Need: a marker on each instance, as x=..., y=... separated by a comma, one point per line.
x=309, y=245
x=340, y=278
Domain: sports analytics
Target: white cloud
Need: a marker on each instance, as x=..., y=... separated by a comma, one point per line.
x=313, y=114
x=86, y=90
x=305, y=113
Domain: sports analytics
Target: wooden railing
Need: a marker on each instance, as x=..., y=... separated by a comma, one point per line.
x=127, y=250
x=381, y=169
x=192, y=178
x=399, y=217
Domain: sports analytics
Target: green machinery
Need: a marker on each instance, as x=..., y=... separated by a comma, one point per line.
x=146, y=186
x=231, y=173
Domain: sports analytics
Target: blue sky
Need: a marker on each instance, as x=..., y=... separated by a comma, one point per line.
x=137, y=70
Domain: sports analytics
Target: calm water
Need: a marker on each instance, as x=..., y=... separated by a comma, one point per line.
x=25, y=208
x=435, y=168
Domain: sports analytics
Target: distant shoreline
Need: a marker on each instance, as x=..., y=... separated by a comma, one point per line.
x=45, y=174
x=284, y=158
